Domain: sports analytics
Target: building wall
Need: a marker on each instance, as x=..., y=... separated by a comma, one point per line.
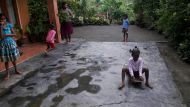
x=3, y=5
x=22, y=13
x=20, y=10
x=53, y=17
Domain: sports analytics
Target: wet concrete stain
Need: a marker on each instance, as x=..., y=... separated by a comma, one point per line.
x=70, y=54
x=82, y=61
x=61, y=61
x=18, y=101
x=98, y=80
x=30, y=88
x=24, y=84
x=84, y=84
x=53, y=65
x=57, y=100
x=113, y=73
x=62, y=81
x=74, y=104
x=49, y=69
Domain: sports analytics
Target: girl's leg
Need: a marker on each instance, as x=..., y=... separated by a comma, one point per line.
x=123, y=31
x=7, y=71
x=69, y=37
x=124, y=36
x=124, y=72
x=126, y=33
x=146, y=71
x=52, y=45
x=14, y=64
x=48, y=46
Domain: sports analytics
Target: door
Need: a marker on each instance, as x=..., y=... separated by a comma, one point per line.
x=11, y=11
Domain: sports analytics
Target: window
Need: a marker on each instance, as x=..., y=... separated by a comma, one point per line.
x=11, y=12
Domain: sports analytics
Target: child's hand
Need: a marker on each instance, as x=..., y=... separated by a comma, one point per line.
x=132, y=78
x=141, y=78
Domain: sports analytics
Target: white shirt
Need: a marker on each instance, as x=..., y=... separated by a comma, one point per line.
x=135, y=66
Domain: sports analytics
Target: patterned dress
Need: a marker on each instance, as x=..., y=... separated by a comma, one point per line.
x=8, y=47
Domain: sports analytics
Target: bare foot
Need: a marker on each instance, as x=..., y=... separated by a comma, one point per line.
x=21, y=53
x=121, y=87
x=45, y=54
x=6, y=77
x=65, y=42
x=71, y=43
x=148, y=85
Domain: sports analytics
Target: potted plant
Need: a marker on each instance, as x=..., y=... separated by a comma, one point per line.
x=19, y=35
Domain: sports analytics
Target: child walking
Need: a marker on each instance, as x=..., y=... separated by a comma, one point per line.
x=135, y=69
x=125, y=27
x=50, y=39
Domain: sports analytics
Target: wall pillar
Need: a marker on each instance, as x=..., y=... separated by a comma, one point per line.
x=53, y=17
x=22, y=13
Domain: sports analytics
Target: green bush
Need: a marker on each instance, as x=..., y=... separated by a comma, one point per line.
x=39, y=20
x=77, y=22
x=170, y=17
x=90, y=21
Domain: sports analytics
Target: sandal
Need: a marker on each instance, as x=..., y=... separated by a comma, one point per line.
x=121, y=87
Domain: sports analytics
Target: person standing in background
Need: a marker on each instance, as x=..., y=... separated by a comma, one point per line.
x=66, y=27
x=125, y=27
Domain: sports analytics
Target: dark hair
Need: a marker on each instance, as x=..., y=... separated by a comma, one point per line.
x=63, y=3
x=126, y=15
x=52, y=26
x=4, y=16
x=1, y=15
x=134, y=51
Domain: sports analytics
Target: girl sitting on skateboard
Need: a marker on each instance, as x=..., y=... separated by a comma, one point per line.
x=134, y=69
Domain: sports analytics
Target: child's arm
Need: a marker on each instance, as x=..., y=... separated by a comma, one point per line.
x=130, y=69
x=140, y=67
x=70, y=13
x=12, y=31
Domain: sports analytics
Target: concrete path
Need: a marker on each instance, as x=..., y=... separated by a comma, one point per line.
x=114, y=34
x=89, y=76
x=87, y=73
